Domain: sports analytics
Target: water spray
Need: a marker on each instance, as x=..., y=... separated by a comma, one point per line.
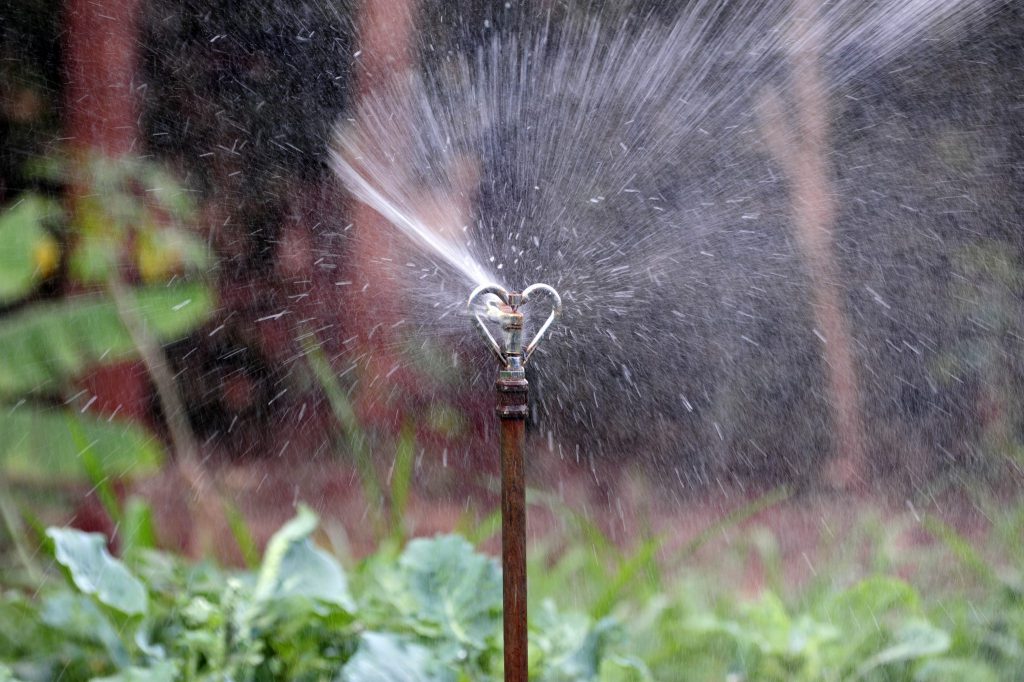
x=502, y=307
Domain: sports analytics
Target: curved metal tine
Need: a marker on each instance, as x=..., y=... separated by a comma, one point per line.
x=488, y=338
x=556, y=310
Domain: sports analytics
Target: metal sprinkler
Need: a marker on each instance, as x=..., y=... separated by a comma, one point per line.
x=512, y=412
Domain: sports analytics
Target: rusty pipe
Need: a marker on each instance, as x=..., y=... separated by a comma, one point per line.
x=513, y=407
x=512, y=395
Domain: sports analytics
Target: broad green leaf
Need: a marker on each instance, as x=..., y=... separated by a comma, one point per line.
x=294, y=567
x=915, y=639
x=768, y=624
x=955, y=669
x=863, y=609
x=20, y=625
x=47, y=344
x=763, y=625
x=38, y=442
x=455, y=592
x=76, y=617
x=387, y=658
x=624, y=669
x=29, y=253
x=566, y=647
x=163, y=671
x=94, y=572
x=94, y=257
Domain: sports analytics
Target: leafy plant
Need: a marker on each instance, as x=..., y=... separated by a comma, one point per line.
x=432, y=613
x=133, y=219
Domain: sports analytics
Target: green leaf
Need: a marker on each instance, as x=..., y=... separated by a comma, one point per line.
x=915, y=639
x=162, y=251
x=294, y=567
x=455, y=592
x=94, y=572
x=401, y=478
x=21, y=627
x=243, y=535
x=94, y=257
x=76, y=617
x=949, y=669
x=624, y=669
x=138, y=530
x=45, y=345
x=28, y=249
x=568, y=646
x=162, y=671
x=38, y=442
x=866, y=604
x=387, y=658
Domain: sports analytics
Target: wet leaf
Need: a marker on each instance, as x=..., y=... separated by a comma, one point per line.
x=949, y=669
x=29, y=252
x=45, y=345
x=294, y=567
x=163, y=671
x=386, y=658
x=446, y=589
x=568, y=646
x=36, y=442
x=915, y=639
x=96, y=573
x=77, y=618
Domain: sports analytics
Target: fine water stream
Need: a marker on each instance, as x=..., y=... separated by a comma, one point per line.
x=654, y=169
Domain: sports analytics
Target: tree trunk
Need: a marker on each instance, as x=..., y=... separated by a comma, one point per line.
x=802, y=149
x=374, y=307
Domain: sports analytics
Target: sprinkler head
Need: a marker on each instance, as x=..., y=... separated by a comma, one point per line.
x=503, y=309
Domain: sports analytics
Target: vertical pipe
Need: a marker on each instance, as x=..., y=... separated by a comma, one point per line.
x=512, y=411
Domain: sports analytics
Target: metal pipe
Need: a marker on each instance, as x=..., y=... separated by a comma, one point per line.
x=512, y=401
x=513, y=391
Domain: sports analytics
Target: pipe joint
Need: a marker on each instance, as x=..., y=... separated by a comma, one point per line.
x=502, y=308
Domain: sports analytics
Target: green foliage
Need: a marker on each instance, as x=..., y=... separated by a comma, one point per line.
x=38, y=443
x=432, y=613
x=95, y=573
x=384, y=657
x=293, y=567
x=45, y=346
x=441, y=590
x=29, y=252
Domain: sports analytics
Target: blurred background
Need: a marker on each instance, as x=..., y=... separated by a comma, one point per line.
x=181, y=319
x=799, y=364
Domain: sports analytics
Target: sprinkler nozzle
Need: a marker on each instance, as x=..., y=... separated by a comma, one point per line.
x=505, y=312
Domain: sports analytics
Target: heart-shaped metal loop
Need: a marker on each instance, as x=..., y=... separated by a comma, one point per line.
x=505, y=311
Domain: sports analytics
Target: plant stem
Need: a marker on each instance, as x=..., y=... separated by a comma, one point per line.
x=12, y=521
x=345, y=414
x=202, y=502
